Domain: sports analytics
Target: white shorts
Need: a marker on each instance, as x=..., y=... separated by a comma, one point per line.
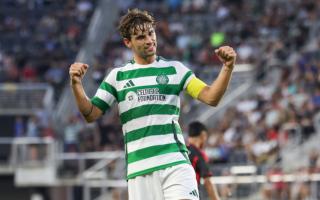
x=172, y=183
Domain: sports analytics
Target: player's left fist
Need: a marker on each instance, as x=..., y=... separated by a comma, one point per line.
x=227, y=56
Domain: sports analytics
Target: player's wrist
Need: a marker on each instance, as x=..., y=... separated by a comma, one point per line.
x=228, y=68
x=75, y=82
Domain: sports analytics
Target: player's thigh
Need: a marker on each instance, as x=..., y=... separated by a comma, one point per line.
x=147, y=187
x=179, y=182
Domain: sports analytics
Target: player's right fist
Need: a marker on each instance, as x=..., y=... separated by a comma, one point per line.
x=77, y=71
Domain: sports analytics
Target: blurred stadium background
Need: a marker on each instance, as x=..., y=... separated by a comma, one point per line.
x=264, y=135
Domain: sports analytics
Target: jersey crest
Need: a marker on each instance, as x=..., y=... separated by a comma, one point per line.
x=162, y=79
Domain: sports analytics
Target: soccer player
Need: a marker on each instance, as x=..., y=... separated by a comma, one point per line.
x=198, y=136
x=147, y=92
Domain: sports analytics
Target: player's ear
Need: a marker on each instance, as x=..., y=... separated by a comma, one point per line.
x=204, y=135
x=127, y=42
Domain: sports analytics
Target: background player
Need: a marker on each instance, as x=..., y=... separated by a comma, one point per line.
x=198, y=136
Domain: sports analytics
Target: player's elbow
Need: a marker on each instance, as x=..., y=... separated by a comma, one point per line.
x=94, y=114
x=89, y=120
x=211, y=97
x=213, y=101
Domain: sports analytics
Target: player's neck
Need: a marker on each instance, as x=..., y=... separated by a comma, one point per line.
x=144, y=61
x=195, y=142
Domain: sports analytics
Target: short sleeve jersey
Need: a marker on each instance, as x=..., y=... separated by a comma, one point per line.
x=149, y=106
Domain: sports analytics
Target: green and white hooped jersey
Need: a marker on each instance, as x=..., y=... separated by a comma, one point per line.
x=149, y=107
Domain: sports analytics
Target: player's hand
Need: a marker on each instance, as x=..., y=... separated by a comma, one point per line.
x=227, y=56
x=77, y=71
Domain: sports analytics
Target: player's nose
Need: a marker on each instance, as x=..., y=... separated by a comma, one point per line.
x=149, y=39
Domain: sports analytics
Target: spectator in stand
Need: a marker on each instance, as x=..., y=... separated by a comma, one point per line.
x=33, y=131
x=300, y=189
x=279, y=189
x=71, y=134
x=33, y=127
x=19, y=127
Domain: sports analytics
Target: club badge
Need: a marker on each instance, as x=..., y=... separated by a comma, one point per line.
x=162, y=79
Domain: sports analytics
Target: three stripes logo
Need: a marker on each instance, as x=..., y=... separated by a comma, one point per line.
x=129, y=84
x=194, y=193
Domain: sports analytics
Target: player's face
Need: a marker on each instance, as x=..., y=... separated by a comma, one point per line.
x=143, y=41
x=204, y=137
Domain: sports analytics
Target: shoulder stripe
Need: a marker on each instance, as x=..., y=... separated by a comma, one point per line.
x=145, y=110
x=150, y=71
x=154, y=151
x=103, y=106
x=149, y=131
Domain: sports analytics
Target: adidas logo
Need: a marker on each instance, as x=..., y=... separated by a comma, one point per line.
x=194, y=193
x=129, y=84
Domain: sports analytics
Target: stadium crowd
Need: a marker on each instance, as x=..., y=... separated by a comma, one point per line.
x=39, y=47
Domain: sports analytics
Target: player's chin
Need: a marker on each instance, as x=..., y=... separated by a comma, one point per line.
x=150, y=53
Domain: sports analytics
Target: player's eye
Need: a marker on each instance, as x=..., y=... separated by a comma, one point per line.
x=140, y=37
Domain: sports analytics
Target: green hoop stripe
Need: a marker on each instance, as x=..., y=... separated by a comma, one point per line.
x=149, y=131
x=152, y=151
x=146, y=110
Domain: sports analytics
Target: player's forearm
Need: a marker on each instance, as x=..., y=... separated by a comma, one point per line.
x=83, y=102
x=217, y=89
x=211, y=189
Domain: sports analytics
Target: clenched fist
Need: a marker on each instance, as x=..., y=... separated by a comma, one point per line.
x=77, y=71
x=227, y=56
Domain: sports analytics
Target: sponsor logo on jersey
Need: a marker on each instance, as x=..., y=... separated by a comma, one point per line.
x=150, y=94
x=147, y=94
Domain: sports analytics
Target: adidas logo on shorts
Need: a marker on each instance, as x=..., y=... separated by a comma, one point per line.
x=194, y=193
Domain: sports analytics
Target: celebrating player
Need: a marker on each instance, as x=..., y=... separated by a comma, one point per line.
x=147, y=92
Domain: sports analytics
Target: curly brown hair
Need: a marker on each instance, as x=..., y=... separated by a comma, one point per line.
x=134, y=21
